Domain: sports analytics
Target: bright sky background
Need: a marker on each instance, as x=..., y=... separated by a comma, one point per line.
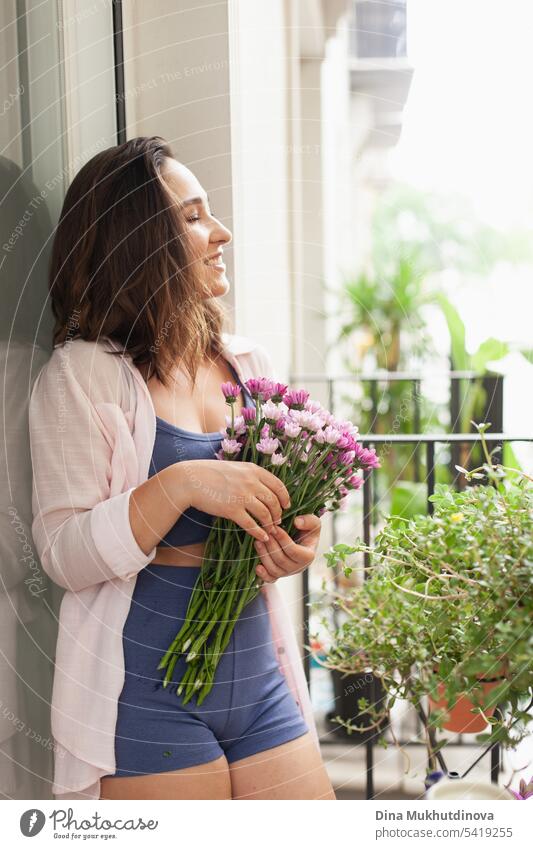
x=468, y=128
x=468, y=123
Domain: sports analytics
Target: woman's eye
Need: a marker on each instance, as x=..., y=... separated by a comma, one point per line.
x=196, y=218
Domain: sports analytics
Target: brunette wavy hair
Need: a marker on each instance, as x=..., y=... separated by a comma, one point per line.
x=122, y=265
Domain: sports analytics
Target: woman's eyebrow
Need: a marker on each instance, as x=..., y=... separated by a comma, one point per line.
x=190, y=201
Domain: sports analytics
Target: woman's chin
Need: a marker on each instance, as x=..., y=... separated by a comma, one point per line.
x=219, y=287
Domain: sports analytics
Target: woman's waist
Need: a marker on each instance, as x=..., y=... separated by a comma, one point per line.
x=185, y=555
x=161, y=597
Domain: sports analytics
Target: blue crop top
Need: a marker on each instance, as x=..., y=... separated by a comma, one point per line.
x=173, y=444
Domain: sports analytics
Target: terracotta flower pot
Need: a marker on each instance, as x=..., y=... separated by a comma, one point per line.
x=461, y=720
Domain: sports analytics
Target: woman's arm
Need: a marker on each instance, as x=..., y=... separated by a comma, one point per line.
x=80, y=442
x=157, y=504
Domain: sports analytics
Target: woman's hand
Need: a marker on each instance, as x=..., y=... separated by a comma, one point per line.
x=240, y=491
x=282, y=556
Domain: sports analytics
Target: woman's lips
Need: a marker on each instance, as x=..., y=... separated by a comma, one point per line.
x=216, y=262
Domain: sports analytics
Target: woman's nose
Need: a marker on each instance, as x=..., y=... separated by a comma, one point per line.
x=221, y=234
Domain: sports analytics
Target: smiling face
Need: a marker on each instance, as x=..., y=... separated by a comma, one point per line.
x=207, y=234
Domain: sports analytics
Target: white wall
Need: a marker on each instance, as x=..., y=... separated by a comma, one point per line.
x=259, y=141
x=177, y=86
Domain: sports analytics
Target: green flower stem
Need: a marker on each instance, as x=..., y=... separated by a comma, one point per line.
x=198, y=643
x=292, y=444
x=185, y=680
x=224, y=636
x=201, y=634
x=198, y=612
x=228, y=623
x=222, y=557
x=250, y=430
x=298, y=447
x=188, y=624
x=170, y=669
x=241, y=575
x=225, y=614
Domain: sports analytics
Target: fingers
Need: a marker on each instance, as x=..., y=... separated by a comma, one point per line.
x=260, y=511
x=247, y=523
x=309, y=527
x=277, y=486
x=304, y=545
x=271, y=501
x=277, y=562
x=282, y=556
x=268, y=569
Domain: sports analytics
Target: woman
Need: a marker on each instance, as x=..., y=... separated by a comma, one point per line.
x=125, y=421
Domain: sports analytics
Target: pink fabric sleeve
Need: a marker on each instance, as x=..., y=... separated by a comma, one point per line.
x=80, y=527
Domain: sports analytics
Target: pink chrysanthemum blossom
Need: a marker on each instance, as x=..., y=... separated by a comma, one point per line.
x=354, y=482
x=260, y=388
x=346, y=442
x=346, y=458
x=295, y=399
x=248, y=414
x=230, y=447
x=314, y=407
x=277, y=459
x=311, y=421
x=273, y=412
x=367, y=457
x=278, y=391
x=348, y=426
x=267, y=390
x=279, y=427
x=239, y=426
x=230, y=391
x=329, y=435
x=292, y=429
x=267, y=445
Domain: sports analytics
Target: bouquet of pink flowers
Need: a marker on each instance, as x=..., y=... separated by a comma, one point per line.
x=317, y=457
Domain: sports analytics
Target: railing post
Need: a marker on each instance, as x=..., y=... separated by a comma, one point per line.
x=367, y=502
x=416, y=424
x=430, y=472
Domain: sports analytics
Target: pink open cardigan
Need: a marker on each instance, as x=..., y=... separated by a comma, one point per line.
x=92, y=431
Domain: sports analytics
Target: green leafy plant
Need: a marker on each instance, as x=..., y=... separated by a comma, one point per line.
x=385, y=330
x=472, y=393
x=386, y=306
x=448, y=599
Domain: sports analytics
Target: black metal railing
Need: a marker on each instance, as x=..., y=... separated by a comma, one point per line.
x=492, y=384
x=429, y=441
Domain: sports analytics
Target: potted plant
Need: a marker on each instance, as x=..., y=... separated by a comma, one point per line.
x=447, y=604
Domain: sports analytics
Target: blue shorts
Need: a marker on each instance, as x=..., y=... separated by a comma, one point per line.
x=250, y=707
